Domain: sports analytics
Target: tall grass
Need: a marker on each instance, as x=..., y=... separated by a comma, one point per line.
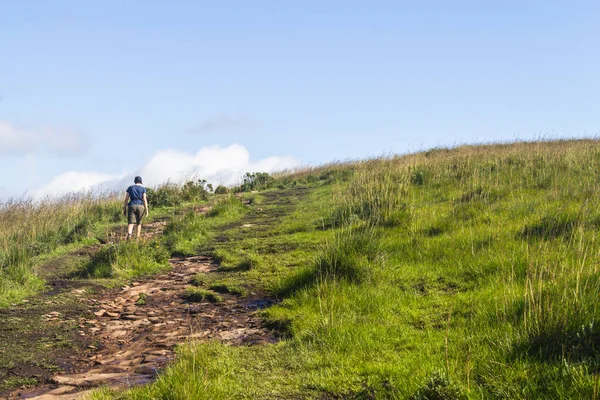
x=31, y=228
x=328, y=173
x=452, y=273
x=457, y=211
x=561, y=318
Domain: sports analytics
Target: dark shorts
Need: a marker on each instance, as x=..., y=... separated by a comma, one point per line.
x=135, y=214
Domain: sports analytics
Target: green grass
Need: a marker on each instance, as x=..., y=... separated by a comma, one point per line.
x=199, y=295
x=34, y=233
x=184, y=234
x=125, y=260
x=449, y=274
x=222, y=287
x=33, y=230
x=51, y=254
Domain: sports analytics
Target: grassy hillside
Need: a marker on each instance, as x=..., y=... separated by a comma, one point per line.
x=449, y=274
x=30, y=230
x=467, y=273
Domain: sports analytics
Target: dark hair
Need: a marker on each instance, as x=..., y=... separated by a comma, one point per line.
x=138, y=179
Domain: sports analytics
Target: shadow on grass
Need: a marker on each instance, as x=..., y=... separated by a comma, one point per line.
x=551, y=227
x=99, y=265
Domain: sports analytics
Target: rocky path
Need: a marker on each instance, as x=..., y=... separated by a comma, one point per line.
x=135, y=329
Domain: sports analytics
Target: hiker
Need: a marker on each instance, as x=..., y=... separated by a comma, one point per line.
x=135, y=207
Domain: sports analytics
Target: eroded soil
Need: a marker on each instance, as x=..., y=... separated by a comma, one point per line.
x=123, y=337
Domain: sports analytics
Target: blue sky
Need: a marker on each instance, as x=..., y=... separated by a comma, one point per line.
x=94, y=91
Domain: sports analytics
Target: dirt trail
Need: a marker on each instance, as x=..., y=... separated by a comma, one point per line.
x=132, y=340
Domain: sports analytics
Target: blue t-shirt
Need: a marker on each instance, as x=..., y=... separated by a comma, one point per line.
x=136, y=195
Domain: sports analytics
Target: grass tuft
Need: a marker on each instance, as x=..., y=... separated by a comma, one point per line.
x=198, y=295
x=125, y=260
x=439, y=387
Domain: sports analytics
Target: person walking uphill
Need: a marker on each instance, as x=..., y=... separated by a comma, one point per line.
x=135, y=207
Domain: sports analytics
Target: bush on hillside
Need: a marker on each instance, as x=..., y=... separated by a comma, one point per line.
x=255, y=181
x=221, y=190
x=171, y=195
x=196, y=191
x=167, y=195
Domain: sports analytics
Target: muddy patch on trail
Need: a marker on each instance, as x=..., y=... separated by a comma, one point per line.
x=38, y=338
x=134, y=330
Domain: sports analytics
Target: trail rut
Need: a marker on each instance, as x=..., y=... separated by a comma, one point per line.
x=135, y=329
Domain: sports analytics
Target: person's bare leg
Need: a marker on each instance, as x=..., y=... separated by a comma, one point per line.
x=139, y=230
x=129, y=230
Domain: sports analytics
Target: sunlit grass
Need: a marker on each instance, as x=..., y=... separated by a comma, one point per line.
x=462, y=273
x=32, y=229
x=450, y=274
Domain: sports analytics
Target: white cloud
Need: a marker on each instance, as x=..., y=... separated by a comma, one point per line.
x=75, y=181
x=224, y=122
x=216, y=164
x=213, y=163
x=59, y=142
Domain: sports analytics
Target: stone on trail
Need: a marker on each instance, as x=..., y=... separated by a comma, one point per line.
x=90, y=380
x=63, y=390
x=118, y=334
x=132, y=317
x=146, y=370
x=135, y=342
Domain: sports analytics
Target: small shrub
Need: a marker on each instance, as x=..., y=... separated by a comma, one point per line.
x=141, y=301
x=221, y=190
x=167, y=195
x=255, y=181
x=171, y=195
x=195, y=191
x=417, y=177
